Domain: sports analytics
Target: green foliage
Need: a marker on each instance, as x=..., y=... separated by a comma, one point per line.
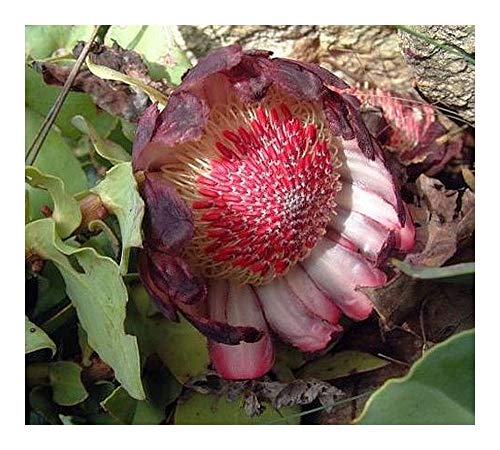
x=157, y=44
x=67, y=386
x=161, y=389
x=82, y=282
x=118, y=193
x=66, y=212
x=97, y=291
x=36, y=339
x=42, y=41
x=40, y=98
x=51, y=289
x=55, y=158
x=341, y=364
x=181, y=347
x=104, y=147
x=439, y=389
x=202, y=409
x=129, y=411
x=41, y=403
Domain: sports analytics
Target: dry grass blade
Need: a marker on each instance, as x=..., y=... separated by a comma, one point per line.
x=438, y=44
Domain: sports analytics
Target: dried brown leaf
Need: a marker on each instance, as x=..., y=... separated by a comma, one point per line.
x=114, y=97
x=445, y=221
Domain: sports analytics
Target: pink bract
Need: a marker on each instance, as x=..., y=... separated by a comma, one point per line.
x=268, y=205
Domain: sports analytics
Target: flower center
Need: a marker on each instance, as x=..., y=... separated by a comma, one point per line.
x=263, y=198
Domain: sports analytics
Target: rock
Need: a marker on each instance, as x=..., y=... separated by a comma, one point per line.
x=358, y=54
x=443, y=76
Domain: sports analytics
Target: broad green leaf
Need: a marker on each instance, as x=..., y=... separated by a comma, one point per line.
x=36, y=339
x=40, y=398
x=129, y=411
x=455, y=273
x=51, y=289
x=42, y=41
x=97, y=291
x=288, y=358
x=118, y=192
x=67, y=386
x=106, y=73
x=104, y=147
x=66, y=212
x=55, y=158
x=40, y=97
x=341, y=364
x=161, y=389
x=211, y=410
x=159, y=45
x=438, y=389
x=181, y=347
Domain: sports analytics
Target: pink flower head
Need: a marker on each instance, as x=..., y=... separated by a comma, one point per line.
x=412, y=129
x=268, y=206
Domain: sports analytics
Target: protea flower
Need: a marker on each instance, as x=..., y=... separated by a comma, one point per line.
x=411, y=129
x=268, y=206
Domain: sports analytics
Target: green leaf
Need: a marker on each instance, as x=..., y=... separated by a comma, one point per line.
x=341, y=364
x=67, y=386
x=104, y=147
x=97, y=291
x=40, y=399
x=462, y=272
x=211, y=410
x=130, y=411
x=40, y=97
x=98, y=392
x=55, y=158
x=106, y=73
x=128, y=129
x=158, y=45
x=51, y=289
x=438, y=389
x=181, y=347
x=42, y=41
x=36, y=339
x=66, y=212
x=118, y=192
x=105, y=243
x=27, y=213
x=71, y=420
x=161, y=389
x=288, y=358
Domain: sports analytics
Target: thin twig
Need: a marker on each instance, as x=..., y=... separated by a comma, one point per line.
x=56, y=107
